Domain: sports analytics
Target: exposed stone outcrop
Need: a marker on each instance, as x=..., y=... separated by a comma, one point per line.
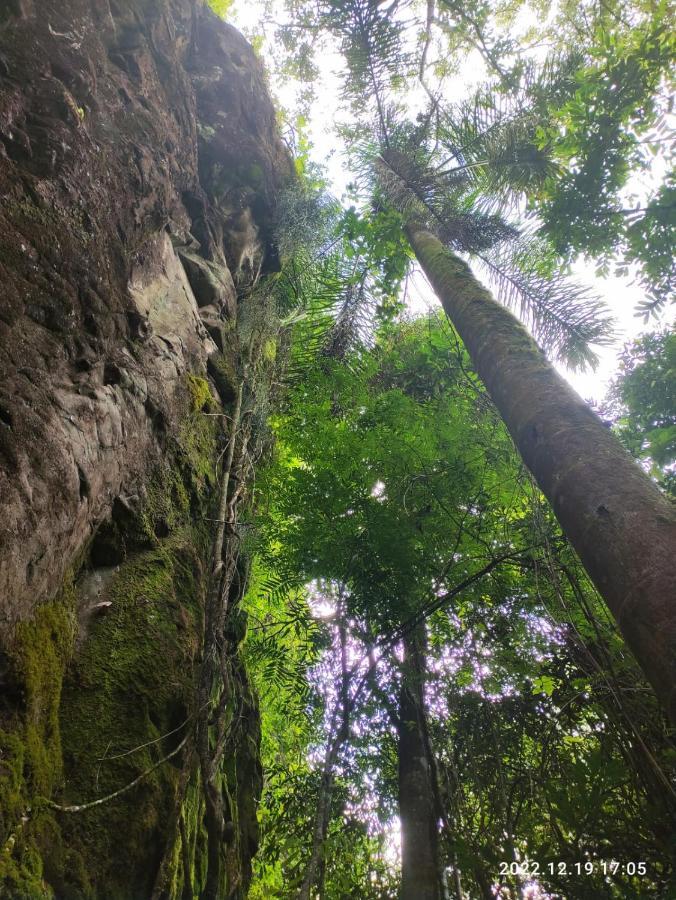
x=121, y=126
x=139, y=165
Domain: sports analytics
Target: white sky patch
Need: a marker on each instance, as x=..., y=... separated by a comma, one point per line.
x=379, y=491
x=321, y=602
x=392, y=845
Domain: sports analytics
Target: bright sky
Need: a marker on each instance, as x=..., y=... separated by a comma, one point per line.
x=620, y=294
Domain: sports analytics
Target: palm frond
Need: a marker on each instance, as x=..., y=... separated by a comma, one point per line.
x=494, y=145
x=565, y=317
x=371, y=35
x=442, y=202
x=473, y=232
x=304, y=221
x=551, y=82
x=458, y=173
x=353, y=322
x=331, y=311
x=495, y=162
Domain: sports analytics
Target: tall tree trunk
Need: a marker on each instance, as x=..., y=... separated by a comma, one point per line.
x=338, y=735
x=420, y=867
x=622, y=527
x=320, y=827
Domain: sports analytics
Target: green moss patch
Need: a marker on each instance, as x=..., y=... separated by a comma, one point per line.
x=30, y=741
x=80, y=724
x=132, y=684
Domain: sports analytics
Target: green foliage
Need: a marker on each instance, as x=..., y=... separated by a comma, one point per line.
x=513, y=769
x=567, y=137
x=393, y=480
x=403, y=412
x=283, y=641
x=371, y=41
x=649, y=238
x=642, y=401
x=305, y=216
x=379, y=240
x=369, y=460
x=487, y=160
x=221, y=7
x=341, y=276
x=612, y=125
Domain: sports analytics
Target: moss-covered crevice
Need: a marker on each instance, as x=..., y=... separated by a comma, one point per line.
x=85, y=715
x=132, y=684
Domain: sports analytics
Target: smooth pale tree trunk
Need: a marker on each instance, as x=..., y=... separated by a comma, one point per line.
x=621, y=526
x=321, y=823
x=420, y=869
x=339, y=733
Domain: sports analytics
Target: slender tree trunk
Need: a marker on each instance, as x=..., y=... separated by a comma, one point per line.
x=420, y=867
x=457, y=883
x=341, y=726
x=321, y=822
x=622, y=527
x=484, y=882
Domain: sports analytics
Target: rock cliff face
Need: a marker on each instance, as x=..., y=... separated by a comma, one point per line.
x=139, y=165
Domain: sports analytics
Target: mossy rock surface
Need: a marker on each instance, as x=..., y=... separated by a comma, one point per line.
x=85, y=715
x=30, y=740
x=131, y=685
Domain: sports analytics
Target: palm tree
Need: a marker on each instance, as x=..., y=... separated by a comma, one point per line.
x=622, y=527
x=452, y=188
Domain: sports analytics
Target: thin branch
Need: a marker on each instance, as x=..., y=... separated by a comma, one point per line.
x=83, y=806
x=150, y=743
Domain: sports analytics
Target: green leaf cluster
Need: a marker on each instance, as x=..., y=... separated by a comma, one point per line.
x=392, y=481
x=642, y=402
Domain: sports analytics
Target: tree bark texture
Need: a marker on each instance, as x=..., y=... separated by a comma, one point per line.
x=622, y=527
x=420, y=868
